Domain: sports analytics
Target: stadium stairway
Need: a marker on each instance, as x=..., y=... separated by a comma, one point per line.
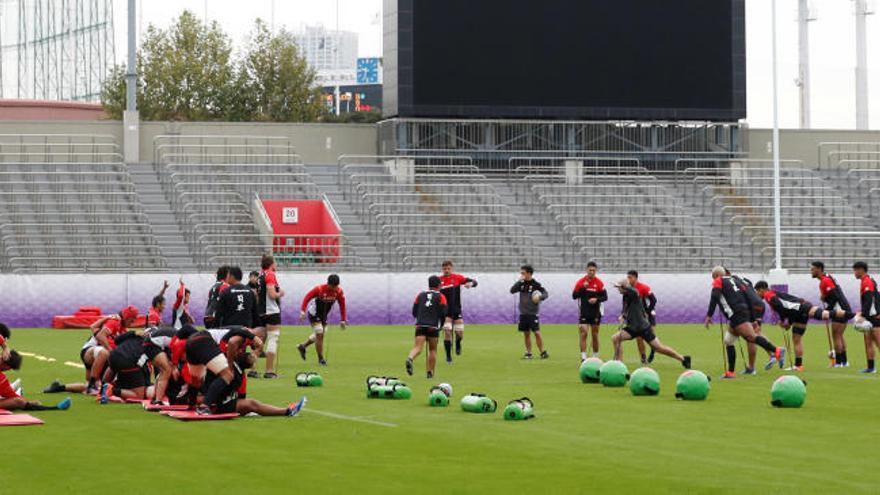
x=529, y=217
x=165, y=227
x=353, y=226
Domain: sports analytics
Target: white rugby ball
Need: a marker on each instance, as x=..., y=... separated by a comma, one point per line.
x=862, y=325
x=536, y=297
x=446, y=388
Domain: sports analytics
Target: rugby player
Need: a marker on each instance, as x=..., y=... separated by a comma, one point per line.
x=450, y=285
x=870, y=302
x=204, y=354
x=128, y=376
x=214, y=292
x=795, y=312
x=756, y=309
x=5, y=334
x=649, y=300
x=230, y=400
x=529, y=319
x=157, y=307
x=636, y=325
x=269, y=303
x=180, y=314
x=590, y=293
x=10, y=398
x=832, y=295
x=727, y=295
x=237, y=305
x=429, y=310
x=317, y=304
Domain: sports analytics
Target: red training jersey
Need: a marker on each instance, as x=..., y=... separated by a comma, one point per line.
x=324, y=297
x=6, y=390
x=154, y=318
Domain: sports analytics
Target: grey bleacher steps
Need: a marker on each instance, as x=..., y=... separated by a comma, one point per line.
x=354, y=228
x=166, y=229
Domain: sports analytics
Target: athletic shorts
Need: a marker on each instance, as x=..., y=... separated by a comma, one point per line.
x=130, y=370
x=590, y=318
x=428, y=332
x=740, y=317
x=875, y=320
x=82, y=355
x=652, y=320
x=152, y=350
x=647, y=334
x=757, y=313
x=799, y=316
x=201, y=349
x=313, y=319
x=454, y=313
x=229, y=406
x=799, y=331
x=834, y=307
x=273, y=319
x=529, y=323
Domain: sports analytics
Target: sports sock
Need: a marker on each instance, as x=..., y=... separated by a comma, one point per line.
x=731, y=358
x=765, y=344
x=841, y=358
x=870, y=364
x=36, y=407
x=798, y=361
x=447, y=346
x=215, y=391
x=583, y=356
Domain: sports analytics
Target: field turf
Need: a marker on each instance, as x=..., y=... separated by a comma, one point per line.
x=585, y=438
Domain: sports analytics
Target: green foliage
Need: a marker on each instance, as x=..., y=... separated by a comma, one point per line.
x=189, y=72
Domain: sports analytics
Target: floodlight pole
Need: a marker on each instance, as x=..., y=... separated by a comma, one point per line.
x=131, y=118
x=862, y=12
x=778, y=274
x=803, y=82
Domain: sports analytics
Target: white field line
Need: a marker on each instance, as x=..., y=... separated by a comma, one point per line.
x=349, y=418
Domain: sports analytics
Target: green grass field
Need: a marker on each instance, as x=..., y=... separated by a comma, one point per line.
x=585, y=438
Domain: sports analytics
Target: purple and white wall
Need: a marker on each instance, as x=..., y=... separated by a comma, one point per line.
x=373, y=298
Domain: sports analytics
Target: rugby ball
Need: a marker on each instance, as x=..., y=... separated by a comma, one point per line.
x=536, y=297
x=446, y=388
x=862, y=325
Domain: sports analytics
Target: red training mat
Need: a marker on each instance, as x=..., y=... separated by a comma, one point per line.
x=193, y=416
x=136, y=401
x=19, y=420
x=4, y=412
x=164, y=407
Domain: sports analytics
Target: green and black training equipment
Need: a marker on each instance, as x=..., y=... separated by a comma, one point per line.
x=437, y=397
x=692, y=385
x=644, y=381
x=519, y=410
x=309, y=379
x=788, y=391
x=381, y=380
x=613, y=374
x=590, y=370
x=478, y=403
x=397, y=391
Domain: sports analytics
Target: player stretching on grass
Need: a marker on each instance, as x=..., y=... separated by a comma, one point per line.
x=317, y=305
x=590, y=293
x=636, y=325
x=429, y=309
x=529, y=321
x=727, y=295
x=649, y=300
x=204, y=354
x=870, y=300
x=832, y=295
x=231, y=400
x=794, y=312
x=10, y=399
x=450, y=285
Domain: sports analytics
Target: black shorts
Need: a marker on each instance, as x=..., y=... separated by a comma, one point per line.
x=201, y=349
x=152, y=350
x=652, y=320
x=529, y=323
x=799, y=331
x=647, y=334
x=454, y=314
x=274, y=320
x=590, y=318
x=801, y=316
x=229, y=405
x=82, y=356
x=130, y=372
x=427, y=332
x=740, y=317
x=832, y=307
x=313, y=318
x=757, y=313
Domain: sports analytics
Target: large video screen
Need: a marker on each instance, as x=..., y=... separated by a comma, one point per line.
x=573, y=59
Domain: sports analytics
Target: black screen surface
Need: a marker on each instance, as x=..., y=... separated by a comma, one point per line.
x=614, y=59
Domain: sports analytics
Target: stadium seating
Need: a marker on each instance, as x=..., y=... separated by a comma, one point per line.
x=67, y=204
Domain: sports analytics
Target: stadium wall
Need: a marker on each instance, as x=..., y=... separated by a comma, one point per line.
x=373, y=298
x=315, y=143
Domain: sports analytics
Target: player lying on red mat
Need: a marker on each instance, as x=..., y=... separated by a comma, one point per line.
x=10, y=399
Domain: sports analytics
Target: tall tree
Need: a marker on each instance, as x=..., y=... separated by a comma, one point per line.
x=277, y=83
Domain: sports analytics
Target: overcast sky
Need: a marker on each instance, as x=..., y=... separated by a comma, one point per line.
x=832, y=40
